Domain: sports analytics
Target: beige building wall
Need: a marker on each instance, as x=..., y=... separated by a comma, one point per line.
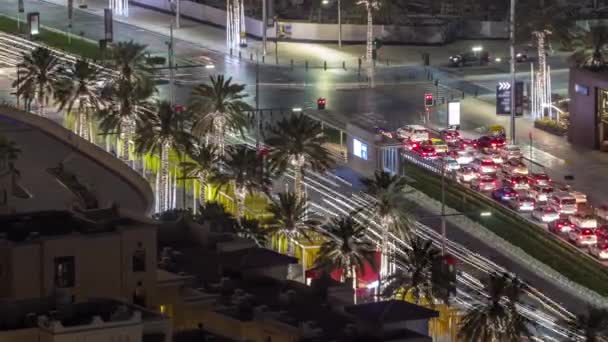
x=21, y=335
x=25, y=272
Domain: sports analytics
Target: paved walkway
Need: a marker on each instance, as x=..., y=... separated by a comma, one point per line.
x=214, y=38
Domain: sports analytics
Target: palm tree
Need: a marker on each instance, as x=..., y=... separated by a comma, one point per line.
x=128, y=92
x=498, y=319
x=346, y=248
x=414, y=275
x=204, y=162
x=159, y=131
x=79, y=86
x=296, y=142
x=289, y=219
x=37, y=77
x=242, y=169
x=590, y=49
x=219, y=107
x=391, y=208
x=592, y=327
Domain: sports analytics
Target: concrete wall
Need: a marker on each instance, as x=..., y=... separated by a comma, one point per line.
x=584, y=126
x=426, y=31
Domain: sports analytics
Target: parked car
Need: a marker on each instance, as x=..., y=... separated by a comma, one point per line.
x=583, y=221
x=466, y=174
x=522, y=204
x=599, y=250
x=545, y=214
x=582, y=236
x=484, y=183
x=561, y=225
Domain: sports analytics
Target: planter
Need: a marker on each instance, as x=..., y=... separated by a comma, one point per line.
x=550, y=128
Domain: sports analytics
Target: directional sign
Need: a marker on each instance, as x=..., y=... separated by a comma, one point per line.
x=503, y=98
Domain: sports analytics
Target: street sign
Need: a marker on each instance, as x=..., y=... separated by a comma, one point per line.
x=33, y=20
x=503, y=98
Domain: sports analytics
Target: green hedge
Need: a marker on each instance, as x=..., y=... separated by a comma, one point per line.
x=532, y=239
x=78, y=46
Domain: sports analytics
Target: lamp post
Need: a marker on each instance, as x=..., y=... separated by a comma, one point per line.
x=339, y=23
x=264, y=26
x=512, y=67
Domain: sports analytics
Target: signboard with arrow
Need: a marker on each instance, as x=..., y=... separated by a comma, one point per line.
x=503, y=98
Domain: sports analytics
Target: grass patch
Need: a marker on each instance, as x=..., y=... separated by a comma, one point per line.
x=536, y=242
x=58, y=40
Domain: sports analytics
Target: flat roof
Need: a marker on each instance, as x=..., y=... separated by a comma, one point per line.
x=390, y=311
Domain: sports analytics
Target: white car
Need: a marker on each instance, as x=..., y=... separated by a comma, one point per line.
x=599, y=250
x=515, y=167
x=602, y=212
x=496, y=158
x=545, y=214
x=541, y=193
x=582, y=236
x=413, y=132
x=580, y=197
x=463, y=157
x=511, y=152
x=466, y=174
x=583, y=221
x=522, y=204
x=451, y=164
x=484, y=166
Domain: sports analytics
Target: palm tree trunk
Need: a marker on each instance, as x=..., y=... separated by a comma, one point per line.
x=354, y=275
x=385, y=223
x=202, y=178
x=289, y=250
x=41, y=104
x=219, y=129
x=240, y=193
x=298, y=166
x=125, y=134
x=164, y=176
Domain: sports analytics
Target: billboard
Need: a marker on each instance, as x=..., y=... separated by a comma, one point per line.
x=503, y=98
x=453, y=113
x=33, y=22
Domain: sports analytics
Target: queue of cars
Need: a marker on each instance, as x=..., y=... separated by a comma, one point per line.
x=491, y=166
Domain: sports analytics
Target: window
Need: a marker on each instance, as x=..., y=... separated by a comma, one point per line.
x=139, y=259
x=64, y=272
x=359, y=149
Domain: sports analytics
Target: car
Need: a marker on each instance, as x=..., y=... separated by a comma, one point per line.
x=450, y=164
x=485, y=183
x=599, y=250
x=563, y=202
x=582, y=236
x=466, y=174
x=409, y=145
x=467, y=145
x=484, y=166
x=561, y=225
x=522, y=203
x=515, y=167
x=415, y=133
x=583, y=221
x=462, y=157
x=496, y=158
x=602, y=233
x=541, y=192
x=517, y=182
x=539, y=179
x=579, y=197
x=511, y=152
x=602, y=212
x=504, y=194
x=521, y=57
x=545, y=214
x=450, y=136
x=463, y=59
x=426, y=151
x=490, y=143
x=439, y=145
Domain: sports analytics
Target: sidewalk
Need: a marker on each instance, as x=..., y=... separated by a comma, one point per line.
x=214, y=39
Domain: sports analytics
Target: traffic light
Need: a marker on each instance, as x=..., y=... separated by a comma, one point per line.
x=321, y=103
x=428, y=100
x=443, y=274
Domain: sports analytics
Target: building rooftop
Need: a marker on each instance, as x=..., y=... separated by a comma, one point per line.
x=250, y=258
x=24, y=313
x=390, y=311
x=23, y=226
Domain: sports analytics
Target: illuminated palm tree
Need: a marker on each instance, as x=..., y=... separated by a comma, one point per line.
x=159, y=131
x=289, y=219
x=498, y=319
x=205, y=161
x=346, y=249
x=370, y=6
x=130, y=60
x=79, y=87
x=297, y=142
x=392, y=209
x=590, y=49
x=39, y=72
x=592, y=327
x=413, y=275
x=219, y=107
x=242, y=170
